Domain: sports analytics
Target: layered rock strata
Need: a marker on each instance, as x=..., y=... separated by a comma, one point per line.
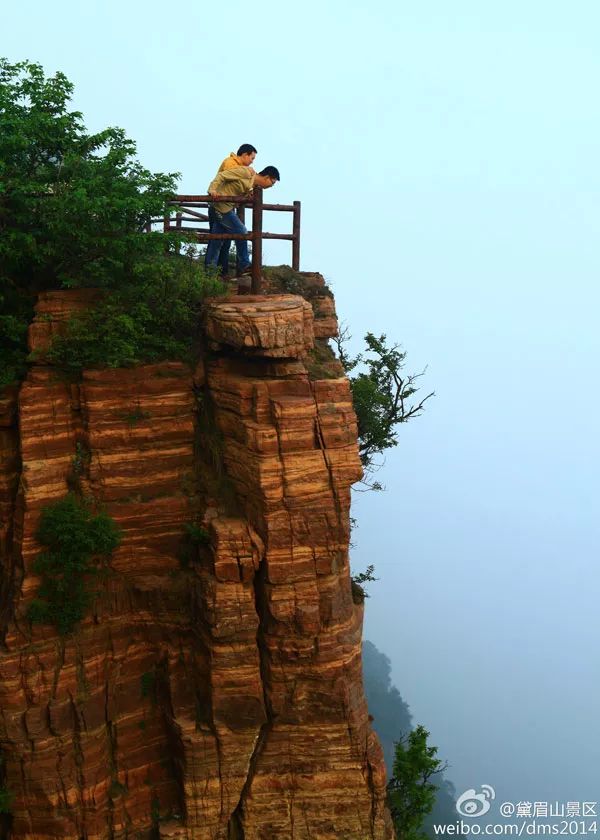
x=214, y=689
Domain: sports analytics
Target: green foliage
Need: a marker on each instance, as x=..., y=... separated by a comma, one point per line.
x=411, y=794
x=16, y=312
x=359, y=592
x=194, y=536
x=197, y=534
x=75, y=208
x=73, y=203
x=381, y=395
x=74, y=536
x=154, y=317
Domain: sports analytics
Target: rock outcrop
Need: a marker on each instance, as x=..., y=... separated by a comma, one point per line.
x=214, y=690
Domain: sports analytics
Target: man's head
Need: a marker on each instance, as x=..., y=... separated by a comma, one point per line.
x=246, y=154
x=267, y=177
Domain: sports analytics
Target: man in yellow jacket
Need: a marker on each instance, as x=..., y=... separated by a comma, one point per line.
x=244, y=157
x=237, y=181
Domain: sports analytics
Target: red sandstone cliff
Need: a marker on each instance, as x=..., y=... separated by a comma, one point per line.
x=212, y=691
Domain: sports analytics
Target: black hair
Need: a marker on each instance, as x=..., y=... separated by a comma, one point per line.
x=246, y=149
x=271, y=172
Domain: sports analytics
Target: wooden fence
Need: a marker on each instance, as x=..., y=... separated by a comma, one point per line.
x=189, y=218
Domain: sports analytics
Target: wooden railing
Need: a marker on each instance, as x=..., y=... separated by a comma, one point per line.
x=187, y=217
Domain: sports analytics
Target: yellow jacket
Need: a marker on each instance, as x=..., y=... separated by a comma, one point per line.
x=237, y=181
x=230, y=162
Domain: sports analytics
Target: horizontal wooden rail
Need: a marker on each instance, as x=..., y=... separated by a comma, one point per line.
x=204, y=236
x=202, y=201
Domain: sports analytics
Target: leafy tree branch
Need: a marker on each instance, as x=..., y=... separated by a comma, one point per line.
x=383, y=396
x=411, y=793
x=74, y=210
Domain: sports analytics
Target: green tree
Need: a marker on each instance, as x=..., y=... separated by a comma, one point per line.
x=382, y=398
x=411, y=793
x=382, y=395
x=71, y=203
x=74, y=536
x=75, y=210
x=154, y=316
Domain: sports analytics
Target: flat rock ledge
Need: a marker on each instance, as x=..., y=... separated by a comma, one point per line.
x=272, y=326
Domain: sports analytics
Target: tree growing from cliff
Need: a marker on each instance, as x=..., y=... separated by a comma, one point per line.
x=73, y=535
x=382, y=395
x=411, y=793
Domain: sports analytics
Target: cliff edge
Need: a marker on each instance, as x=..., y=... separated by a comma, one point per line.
x=214, y=688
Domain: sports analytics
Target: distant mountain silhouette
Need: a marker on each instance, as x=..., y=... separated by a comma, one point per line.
x=391, y=720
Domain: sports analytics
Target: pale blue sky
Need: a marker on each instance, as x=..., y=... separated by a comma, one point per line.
x=446, y=155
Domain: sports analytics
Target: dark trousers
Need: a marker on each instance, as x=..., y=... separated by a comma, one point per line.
x=228, y=223
x=222, y=246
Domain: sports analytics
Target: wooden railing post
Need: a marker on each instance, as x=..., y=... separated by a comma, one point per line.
x=296, y=235
x=257, y=225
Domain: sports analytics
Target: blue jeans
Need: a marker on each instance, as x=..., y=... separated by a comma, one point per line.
x=228, y=223
x=224, y=244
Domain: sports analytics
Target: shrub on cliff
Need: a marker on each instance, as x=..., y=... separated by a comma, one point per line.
x=382, y=395
x=16, y=311
x=153, y=317
x=411, y=793
x=74, y=536
x=74, y=206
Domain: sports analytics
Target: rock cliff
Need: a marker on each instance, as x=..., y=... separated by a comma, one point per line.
x=214, y=689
